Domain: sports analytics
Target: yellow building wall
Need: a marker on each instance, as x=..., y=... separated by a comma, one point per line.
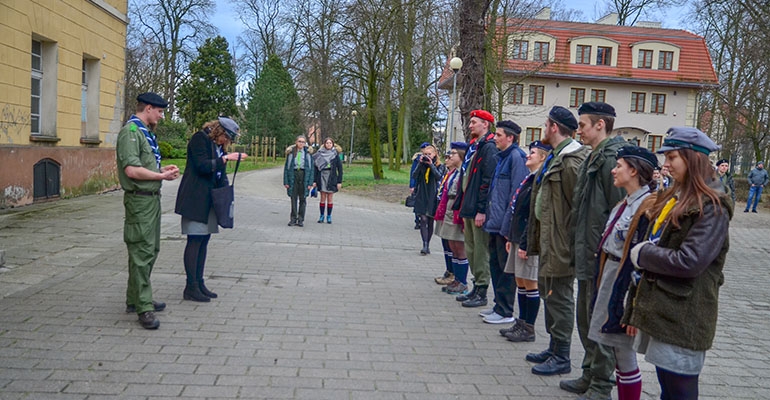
x=79, y=28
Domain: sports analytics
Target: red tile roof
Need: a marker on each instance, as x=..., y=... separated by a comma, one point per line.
x=695, y=66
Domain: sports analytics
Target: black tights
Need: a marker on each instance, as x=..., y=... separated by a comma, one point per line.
x=677, y=386
x=426, y=228
x=195, y=257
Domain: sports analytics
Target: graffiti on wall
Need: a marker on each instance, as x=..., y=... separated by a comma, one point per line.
x=12, y=120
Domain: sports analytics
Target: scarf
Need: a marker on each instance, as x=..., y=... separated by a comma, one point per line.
x=324, y=157
x=149, y=136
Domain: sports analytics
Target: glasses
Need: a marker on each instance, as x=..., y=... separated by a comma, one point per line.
x=301, y=141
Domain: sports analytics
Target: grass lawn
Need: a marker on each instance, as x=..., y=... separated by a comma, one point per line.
x=360, y=175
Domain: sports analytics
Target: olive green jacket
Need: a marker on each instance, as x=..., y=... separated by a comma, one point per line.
x=595, y=196
x=549, y=237
x=132, y=149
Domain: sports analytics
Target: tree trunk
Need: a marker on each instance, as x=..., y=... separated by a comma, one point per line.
x=471, y=50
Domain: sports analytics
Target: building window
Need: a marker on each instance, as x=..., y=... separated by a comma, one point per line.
x=37, y=86
x=598, y=95
x=89, y=100
x=516, y=94
x=542, y=51
x=637, y=102
x=577, y=96
x=658, y=105
x=645, y=59
x=583, y=55
x=532, y=135
x=666, y=60
x=520, y=48
x=654, y=142
x=603, y=55
x=536, y=94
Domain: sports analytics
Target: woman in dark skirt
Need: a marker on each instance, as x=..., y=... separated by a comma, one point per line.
x=205, y=170
x=328, y=176
x=427, y=176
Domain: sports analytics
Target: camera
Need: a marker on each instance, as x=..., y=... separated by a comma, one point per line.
x=424, y=158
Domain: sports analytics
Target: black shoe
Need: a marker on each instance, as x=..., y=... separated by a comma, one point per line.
x=539, y=358
x=292, y=223
x=148, y=320
x=464, y=297
x=194, y=293
x=159, y=306
x=416, y=225
x=425, y=249
x=206, y=292
x=300, y=224
x=753, y=211
x=554, y=365
x=746, y=210
x=578, y=386
x=479, y=299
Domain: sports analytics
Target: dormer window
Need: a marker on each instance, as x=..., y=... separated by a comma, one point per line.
x=603, y=55
x=542, y=51
x=653, y=54
x=583, y=55
x=520, y=48
x=645, y=59
x=594, y=50
x=666, y=60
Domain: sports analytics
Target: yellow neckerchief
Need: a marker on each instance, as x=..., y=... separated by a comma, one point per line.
x=427, y=173
x=662, y=217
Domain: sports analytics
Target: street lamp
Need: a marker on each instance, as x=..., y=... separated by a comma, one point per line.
x=455, y=64
x=352, y=132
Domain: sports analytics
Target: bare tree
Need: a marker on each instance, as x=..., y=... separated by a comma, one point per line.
x=629, y=11
x=175, y=28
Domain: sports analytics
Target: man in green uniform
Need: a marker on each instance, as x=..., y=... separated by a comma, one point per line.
x=140, y=176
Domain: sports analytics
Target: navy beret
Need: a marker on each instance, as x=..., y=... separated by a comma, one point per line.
x=540, y=145
x=152, y=99
x=458, y=146
x=722, y=161
x=685, y=137
x=639, y=153
x=760, y=162
x=230, y=127
x=596, y=108
x=424, y=145
x=509, y=126
x=563, y=117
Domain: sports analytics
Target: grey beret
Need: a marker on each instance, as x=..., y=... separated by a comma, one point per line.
x=230, y=127
x=685, y=137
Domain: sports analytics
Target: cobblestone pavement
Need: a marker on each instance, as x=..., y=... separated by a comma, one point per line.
x=341, y=311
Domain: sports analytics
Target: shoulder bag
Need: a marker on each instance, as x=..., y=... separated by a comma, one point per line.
x=223, y=201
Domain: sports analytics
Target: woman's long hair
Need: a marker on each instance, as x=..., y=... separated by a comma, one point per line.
x=691, y=189
x=214, y=129
x=436, y=158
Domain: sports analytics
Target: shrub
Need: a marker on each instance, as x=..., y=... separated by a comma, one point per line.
x=165, y=149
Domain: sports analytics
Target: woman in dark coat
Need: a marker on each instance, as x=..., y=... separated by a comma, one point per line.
x=205, y=170
x=328, y=176
x=427, y=176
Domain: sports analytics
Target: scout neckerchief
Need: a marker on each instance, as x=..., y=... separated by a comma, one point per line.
x=473, y=145
x=657, y=228
x=149, y=136
x=450, y=176
x=518, y=189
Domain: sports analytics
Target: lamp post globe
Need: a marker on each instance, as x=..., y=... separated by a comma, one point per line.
x=455, y=64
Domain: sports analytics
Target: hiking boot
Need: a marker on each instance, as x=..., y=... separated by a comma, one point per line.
x=543, y=355
x=193, y=292
x=466, y=296
x=511, y=328
x=479, y=299
x=446, y=279
x=594, y=395
x=524, y=333
x=554, y=365
x=459, y=289
x=578, y=386
x=148, y=320
x=157, y=305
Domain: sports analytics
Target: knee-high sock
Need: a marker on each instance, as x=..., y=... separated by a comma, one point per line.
x=521, y=293
x=447, y=256
x=329, y=207
x=322, y=208
x=461, y=270
x=629, y=384
x=533, y=305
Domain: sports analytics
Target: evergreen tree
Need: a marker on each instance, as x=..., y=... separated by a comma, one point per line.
x=209, y=90
x=273, y=104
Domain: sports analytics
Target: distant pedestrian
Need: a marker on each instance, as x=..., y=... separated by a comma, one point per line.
x=140, y=176
x=633, y=172
x=427, y=176
x=724, y=175
x=205, y=170
x=674, y=306
x=328, y=176
x=757, y=179
x=298, y=174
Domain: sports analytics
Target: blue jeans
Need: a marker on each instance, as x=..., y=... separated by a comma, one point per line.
x=755, y=192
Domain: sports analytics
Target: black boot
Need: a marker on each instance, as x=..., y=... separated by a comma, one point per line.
x=479, y=299
x=542, y=356
x=464, y=297
x=425, y=248
x=193, y=292
x=206, y=292
x=557, y=364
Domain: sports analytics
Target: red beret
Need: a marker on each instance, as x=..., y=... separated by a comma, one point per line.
x=485, y=115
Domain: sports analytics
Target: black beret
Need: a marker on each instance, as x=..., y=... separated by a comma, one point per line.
x=639, y=153
x=564, y=117
x=722, y=161
x=458, y=146
x=152, y=99
x=509, y=126
x=540, y=145
x=596, y=108
x=685, y=137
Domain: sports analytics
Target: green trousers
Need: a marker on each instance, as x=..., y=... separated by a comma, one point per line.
x=558, y=296
x=477, y=250
x=599, y=360
x=141, y=232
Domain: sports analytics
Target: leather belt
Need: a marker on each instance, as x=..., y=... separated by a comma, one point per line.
x=143, y=192
x=613, y=257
